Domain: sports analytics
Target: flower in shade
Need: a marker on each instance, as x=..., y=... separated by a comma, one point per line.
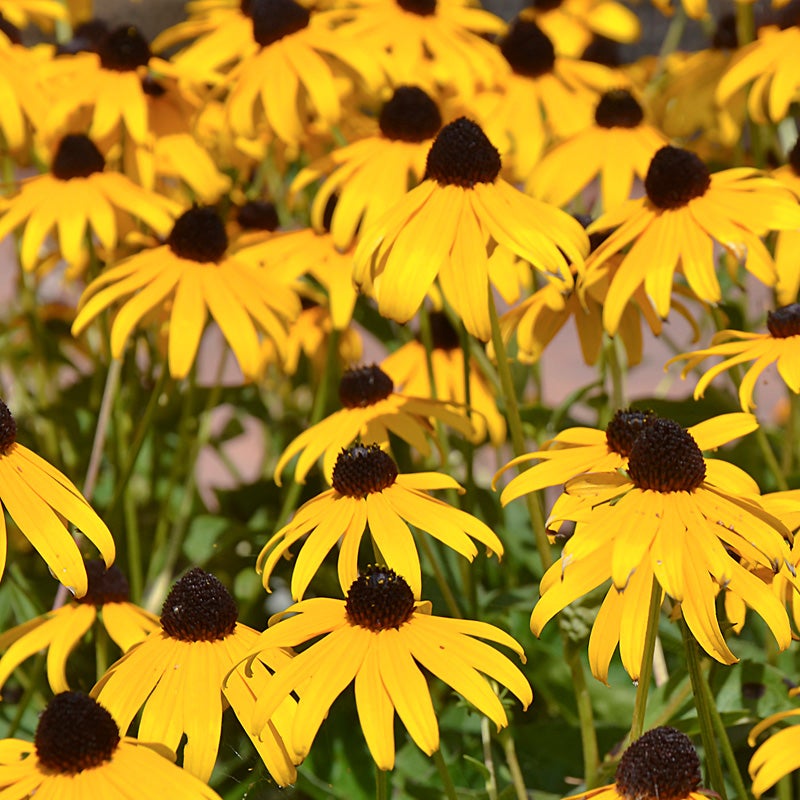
x=77, y=752
x=617, y=149
x=38, y=498
x=685, y=211
x=787, y=245
x=59, y=631
x=662, y=763
x=447, y=226
x=372, y=410
x=373, y=173
x=777, y=756
x=175, y=676
x=369, y=493
x=376, y=638
x=190, y=276
x=99, y=202
x=673, y=517
x=780, y=345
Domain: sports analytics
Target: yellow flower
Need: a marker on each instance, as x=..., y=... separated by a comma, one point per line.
x=376, y=637
x=368, y=493
x=77, y=752
x=24, y=97
x=41, y=12
x=447, y=226
x=777, y=756
x=787, y=244
x=372, y=410
x=37, y=496
x=780, y=346
x=226, y=17
x=95, y=198
x=59, y=631
x=197, y=273
x=175, y=676
x=686, y=210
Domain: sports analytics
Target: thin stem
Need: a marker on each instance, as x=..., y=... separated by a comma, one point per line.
x=381, y=784
x=772, y=461
x=583, y=701
x=488, y=759
x=101, y=431
x=441, y=580
x=745, y=23
x=510, y=752
x=646, y=670
x=615, y=373
x=444, y=774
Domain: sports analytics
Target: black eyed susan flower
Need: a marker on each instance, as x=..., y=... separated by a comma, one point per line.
x=369, y=493
x=59, y=631
x=446, y=227
x=662, y=763
x=376, y=638
x=227, y=17
x=787, y=244
x=37, y=496
x=25, y=98
x=777, y=756
x=686, y=210
x=197, y=273
x=78, y=752
x=673, y=516
x=780, y=345
x=372, y=410
x=175, y=677
x=372, y=174
x=97, y=200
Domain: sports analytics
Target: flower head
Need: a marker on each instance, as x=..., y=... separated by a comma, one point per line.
x=779, y=755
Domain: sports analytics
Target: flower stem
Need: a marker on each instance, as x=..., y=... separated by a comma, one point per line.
x=488, y=759
x=646, y=670
x=441, y=580
x=381, y=784
x=444, y=774
x=510, y=751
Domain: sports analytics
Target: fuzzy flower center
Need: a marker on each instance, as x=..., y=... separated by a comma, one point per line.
x=364, y=386
x=444, y=335
x=618, y=108
x=77, y=156
x=199, y=608
x=794, y=158
x=363, y=469
x=75, y=733
x=784, y=322
x=462, y=155
x=624, y=429
x=105, y=585
x=661, y=764
x=258, y=215
x=665, y=458
x=379, y=599
x=199, y=235
x=274, y=19
x=725, y=36
x=546, y=5
x=124, y=49
x=422, y=8
x=528, y=49
x=410, y=116
x=8, y=430
x=675, y=177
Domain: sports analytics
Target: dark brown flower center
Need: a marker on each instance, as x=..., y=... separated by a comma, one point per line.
x=75, y=733
x=624, y=429
x=258, y=215
x=364, y=386
x=245, y=6
x=105, y=585
x=274, y=19
x=379, y=599
x=602, y=50
x=462, y=155
x=784, y=322
x=618, y=108
x=546, y=5
x=363, y=469
x=661, y=765
x=665, y=458
x=675, y=177
x=528, y=49
x=124, y=49
x=76, y=156
x=199, y=235
x=8, y=430
x=794, y=158
x=86, y=38
x=444, y=335
x=199, y=608
x=410, y=116
x=422, y=8
x=725, y=36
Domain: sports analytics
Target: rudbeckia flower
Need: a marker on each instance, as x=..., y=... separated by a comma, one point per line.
x=372, y=410
x=674, y=518
x=787, y=244
x=617, y=149
x=98, y=200
x=368, y=492
x=77, y=752
x=447, y=226
x=777, y=756
x=59, y=631
x=376, y=637
x=175, y=676
x=37, y=496
x=24, y=95
x=372, y=174
x=685, y=211
x=195, y=271
x=660, y=763
x=780, y=346
x=205, y=16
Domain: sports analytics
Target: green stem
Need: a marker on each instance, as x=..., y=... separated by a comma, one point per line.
x=745, y=23
x=772, y=461
x=101, y=431
x=583, y=702
x=646, y=670
x=441, y=581
x=616, y=374
x=488, y=759
x=100, y=650
x=381, y=784
x=510, y=752
x=444, y=774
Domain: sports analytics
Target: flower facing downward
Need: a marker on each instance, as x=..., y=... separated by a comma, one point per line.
x=78, y=752
x=376, y=638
